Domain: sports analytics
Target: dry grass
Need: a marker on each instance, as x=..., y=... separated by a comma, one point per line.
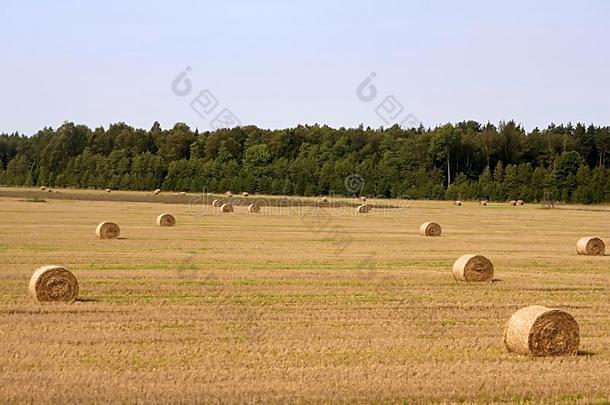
x=317, y=305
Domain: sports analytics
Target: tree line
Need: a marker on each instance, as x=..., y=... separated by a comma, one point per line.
x=467, y=160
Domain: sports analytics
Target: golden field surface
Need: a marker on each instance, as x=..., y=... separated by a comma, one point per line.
x=301, y=305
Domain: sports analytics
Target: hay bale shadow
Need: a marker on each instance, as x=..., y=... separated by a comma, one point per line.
x=87, y=300
x=586, y=353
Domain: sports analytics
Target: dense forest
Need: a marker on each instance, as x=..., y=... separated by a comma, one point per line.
x=467, y=160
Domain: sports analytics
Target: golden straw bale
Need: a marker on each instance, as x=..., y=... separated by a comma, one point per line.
x=53, y=284
x=473, y=268
x=430, y=229
x=590, y=246
x=540, y=331
x=107, y=230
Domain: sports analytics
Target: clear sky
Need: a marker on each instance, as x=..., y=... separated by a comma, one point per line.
x=281, y=63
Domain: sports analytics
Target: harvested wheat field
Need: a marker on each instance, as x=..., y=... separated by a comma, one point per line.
x=312, y=304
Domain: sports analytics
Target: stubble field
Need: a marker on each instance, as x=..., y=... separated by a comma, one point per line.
x=296, y=304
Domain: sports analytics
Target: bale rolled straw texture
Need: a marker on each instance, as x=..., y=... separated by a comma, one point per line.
x=226, y=208
x=228, y=194
x=512, y=202
x=107, y=230
x=42, y=188
x=590, y=246
x=166, y=220
x=157, y=191
x=254, y=208
x=363, y=209
x=430, y=229
x=483, y=203
x=216, y=203
x=473, y=268
x=457, y=203
x=540, y=331
x=53, y=284
x=245, y=194
x=520, y=202
x=108, y=190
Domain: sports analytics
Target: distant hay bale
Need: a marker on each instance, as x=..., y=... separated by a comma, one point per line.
x=324, y=199
x=457, y=203
x=520, y=202
x=226, y=208
x=107, y=230
x=430, y=229
x=483, y=203
x=166, y=220
x=363, y=198
x=512, y=202
x=590, y=246
x=42, y=188
x=229, y=194
x=244, y=194
x=540, y=331
x=157, y=191
x=182, y=193
x=254, y=208
x=50, y=190
x=216, y=203
x=363, y=209
x=53, y=284
x=473, y=268
x=108, y=190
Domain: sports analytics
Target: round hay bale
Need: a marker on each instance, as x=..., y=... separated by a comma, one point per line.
x=324, y=199
x=166, y=220
x=363, y=198
x=108, y=190
x=590, y=246
x=244, y=194
x=216, y=203
x=157, y=191
x=542, y=331
x=457, y=203
x=520, y=202
x=107, y=230
x=512, y=202
x=473, y=268
x=254, y=208
x=53, y=284
x=42, y=188
x=363, y=209
x=483, y=203
x=50, y=190
x=226, y=208
x=183, y=193
x=229, y=194
x=430, y=229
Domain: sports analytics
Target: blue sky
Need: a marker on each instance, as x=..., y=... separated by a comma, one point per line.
x=281, y=63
